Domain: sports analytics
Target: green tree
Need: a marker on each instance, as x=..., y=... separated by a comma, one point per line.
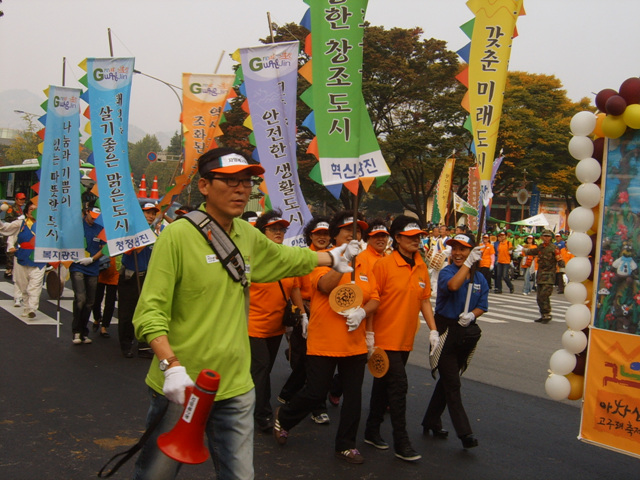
x=25, y=145
x=175, y=145
x=138, y=155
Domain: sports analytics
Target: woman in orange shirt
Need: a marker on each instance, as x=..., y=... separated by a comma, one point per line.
x=107, y=283
x=405, y=288
x=266, y=309
x=316, y=233
x=335, y=340
x=377, y=238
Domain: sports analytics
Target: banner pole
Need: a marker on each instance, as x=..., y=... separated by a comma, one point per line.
x=58, y=303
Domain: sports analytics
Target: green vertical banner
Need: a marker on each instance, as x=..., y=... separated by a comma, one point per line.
x=348, y=149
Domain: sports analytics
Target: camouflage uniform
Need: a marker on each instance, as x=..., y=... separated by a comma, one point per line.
x=548, y=259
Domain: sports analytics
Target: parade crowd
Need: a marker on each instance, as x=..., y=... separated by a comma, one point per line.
x=184, y=302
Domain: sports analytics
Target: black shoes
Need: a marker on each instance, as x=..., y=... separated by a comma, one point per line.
x=469, y=441
x=376, y=440
x=406, y=452
x=511, y=290
x=543, y=319
x=437, y=432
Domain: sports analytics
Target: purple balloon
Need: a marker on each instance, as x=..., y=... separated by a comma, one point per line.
x=615, y=105
x=630, y=90
x=603, y=96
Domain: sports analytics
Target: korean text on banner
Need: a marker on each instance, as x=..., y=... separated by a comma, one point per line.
x=443, y=191
x=347, y=146
x=270, y=75
x=59, y=236
x=491, y=40
x=204, y=96
x=109, y=81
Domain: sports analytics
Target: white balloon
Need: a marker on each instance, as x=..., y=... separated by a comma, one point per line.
x=580, y=147
x=4, y=207
x=557, y=387
x=577, y=316
x=562, y=362
x=588, y=170
x=583, y=123
x=581, y=219
x=588, y=195
x=579, y=244
x=578, y=269
x=574, y=341
x=575, y=292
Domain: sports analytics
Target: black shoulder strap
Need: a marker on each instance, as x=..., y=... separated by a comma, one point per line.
x=222, y=245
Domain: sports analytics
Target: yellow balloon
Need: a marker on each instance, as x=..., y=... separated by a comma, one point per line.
x=631, y=116
x=597, y=131
x=613, y=126
x=577, y=386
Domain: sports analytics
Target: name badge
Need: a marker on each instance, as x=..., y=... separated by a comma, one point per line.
x=422, y=284
x=213, y=258
x=364, y=278
x=476, y=287
x=97, y=240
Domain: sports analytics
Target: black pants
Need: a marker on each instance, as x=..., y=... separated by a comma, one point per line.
x=104, y=317
x=390, y=390
x=486, y=271
x=458, y=346
x=298, y=376
x=263, y=356
x=128, y=295
x=319, y=374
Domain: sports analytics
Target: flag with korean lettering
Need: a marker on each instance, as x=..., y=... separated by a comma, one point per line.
x=443, y=192
x=271, y=79
x=487, y=55
x=59, y=236
x=346, y=145
x=109, y=87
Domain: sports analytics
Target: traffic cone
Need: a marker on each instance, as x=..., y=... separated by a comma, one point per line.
x=142, y=190
x=154, y=188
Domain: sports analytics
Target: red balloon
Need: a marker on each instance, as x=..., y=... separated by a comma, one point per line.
x=615, y=105
x=603, y=96
x=630, y=90
x=581, y=363
x=598, y=148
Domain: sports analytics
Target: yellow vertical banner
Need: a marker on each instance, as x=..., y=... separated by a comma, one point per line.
x=493, y=32
x=611, y=409
x=204, y=96
x=443, y=190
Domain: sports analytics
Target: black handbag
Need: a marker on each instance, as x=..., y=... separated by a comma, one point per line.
x=292, y=314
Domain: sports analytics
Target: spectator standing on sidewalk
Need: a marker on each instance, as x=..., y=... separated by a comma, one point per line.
x=527, y=264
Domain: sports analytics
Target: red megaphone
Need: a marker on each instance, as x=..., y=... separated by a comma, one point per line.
x=185, y=442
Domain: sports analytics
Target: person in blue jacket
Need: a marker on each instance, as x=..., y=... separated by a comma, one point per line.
x=84, y=276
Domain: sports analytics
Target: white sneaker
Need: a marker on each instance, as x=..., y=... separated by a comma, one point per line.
x=323, y=418
x=87, y=340
x=76, y=339
x=17, y=303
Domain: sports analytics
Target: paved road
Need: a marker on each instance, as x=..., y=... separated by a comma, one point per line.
x=65, y=409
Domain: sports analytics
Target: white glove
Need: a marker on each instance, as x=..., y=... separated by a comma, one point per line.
x=305, y=325
x=434, y=340
x=474, y=256
x=371, y=342
x=353, y=249
x=491, y=268
x=85, y=261
x=175, y=382
x=465, y=319
x=354, y=317
x=340, y=263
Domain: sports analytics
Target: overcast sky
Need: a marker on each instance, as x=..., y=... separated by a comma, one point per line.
x=588, y=44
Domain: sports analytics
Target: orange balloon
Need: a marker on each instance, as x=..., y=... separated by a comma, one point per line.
x=577, y=386
x=597, y=131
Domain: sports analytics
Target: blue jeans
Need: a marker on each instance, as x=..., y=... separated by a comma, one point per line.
x=527, y=279
x=229, y=433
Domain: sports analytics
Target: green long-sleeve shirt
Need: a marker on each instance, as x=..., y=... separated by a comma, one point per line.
x=189, y=296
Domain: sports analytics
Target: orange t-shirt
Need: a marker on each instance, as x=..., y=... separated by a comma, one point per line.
x=370, y=255
x=487, y=255
x=328, y=335
x=266, y=307
x=503, y=252
x=109, y=276
x=402, y=290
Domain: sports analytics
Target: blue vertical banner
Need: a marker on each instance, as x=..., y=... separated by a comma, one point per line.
x=60, y=234
x=109, y=89
x=534, y=203
x=271, y=78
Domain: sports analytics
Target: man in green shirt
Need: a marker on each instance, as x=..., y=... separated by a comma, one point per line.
x=193, y=316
